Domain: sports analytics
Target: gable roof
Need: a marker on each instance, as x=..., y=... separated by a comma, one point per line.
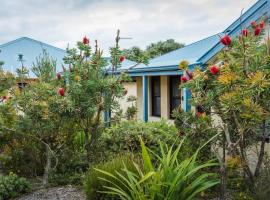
x=200, y=52
x=191, y=53
x=256, y=12
x=30, y=49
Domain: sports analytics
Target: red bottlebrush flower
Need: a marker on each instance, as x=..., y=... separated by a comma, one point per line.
x=184, y=79
x=253, y=24
x=58, y=75
x=261, y=25
x=200, y=114
x=61, y=92
x=214, y=70
x=245, y=32
x=4, y=98
x=122, y=58
x=226, y=40
x=257, y=31
x=85, y=40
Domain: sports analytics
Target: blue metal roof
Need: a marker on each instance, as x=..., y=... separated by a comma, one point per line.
x=191, y=53
x=256, y=12
x=30, y=49
x=199, y=53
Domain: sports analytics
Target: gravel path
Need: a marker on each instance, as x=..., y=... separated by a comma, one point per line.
x=57, y=193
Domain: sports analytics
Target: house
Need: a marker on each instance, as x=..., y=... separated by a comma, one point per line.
x=157, y=84
x=24, y=51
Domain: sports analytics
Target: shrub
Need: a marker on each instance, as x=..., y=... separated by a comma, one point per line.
x=12, y=186
x=124, y=137
x=93, y=184
x=171, y=179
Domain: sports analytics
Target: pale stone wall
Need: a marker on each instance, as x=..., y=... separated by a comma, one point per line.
x=131, y=88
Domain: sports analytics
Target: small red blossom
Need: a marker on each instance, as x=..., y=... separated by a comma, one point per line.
x=4, y=98
x=253, y=24
x=85, y=40
x=58, y=75
x=257, y=31
x=226, y=40
x=184, y=79
x=122, y=58
x=261, y=25
x=245, y=32
x=200, y=114
x=61, y=92
x=214, y=70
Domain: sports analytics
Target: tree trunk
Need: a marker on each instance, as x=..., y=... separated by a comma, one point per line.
x=87, y=144
x=48, y=165
x=223, y=182
x=244, y=161
x=261, y=154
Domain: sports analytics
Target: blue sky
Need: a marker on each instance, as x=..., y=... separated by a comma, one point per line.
x=59, y=22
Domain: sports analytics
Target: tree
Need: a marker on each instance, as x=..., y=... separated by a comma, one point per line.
x=41, y=111
x=136, y=54
x=162, y=47
x=90, y=90
x=236, y=93
x=153, y=50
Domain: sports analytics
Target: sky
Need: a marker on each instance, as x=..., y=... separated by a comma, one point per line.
x=63, y=22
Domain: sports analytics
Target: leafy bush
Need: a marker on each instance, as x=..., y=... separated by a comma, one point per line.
x=12, y=186
x=171, y=179
x=93, y=184
x=124, y=137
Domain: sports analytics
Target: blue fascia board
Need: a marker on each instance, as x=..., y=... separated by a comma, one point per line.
x=174, y=71
x=253, y=14
x=160, y=68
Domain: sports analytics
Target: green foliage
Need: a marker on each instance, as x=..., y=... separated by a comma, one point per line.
x=162, y=47
x=45, y=67
x=12, y=186
x=136, y=54
x=91, y=91
x=172, y=178
x=196, y=131
x=124, y=137
x=93, y=180
x=131, y=110
x=153, y=50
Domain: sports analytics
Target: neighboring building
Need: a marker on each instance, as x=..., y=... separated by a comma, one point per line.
x=29, y=50
x=157, y=84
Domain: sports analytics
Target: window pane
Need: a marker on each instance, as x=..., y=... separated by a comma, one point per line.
x=156, y=100
x=175, y=93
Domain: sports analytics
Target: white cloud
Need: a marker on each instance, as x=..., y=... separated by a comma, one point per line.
x=60, y=22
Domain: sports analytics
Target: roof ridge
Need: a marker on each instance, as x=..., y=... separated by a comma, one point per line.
x=245, y=13
x=30, y=39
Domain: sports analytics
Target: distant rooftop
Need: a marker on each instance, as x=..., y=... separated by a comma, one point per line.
x=30, y=49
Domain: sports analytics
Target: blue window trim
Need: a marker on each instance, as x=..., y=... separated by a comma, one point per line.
x=145, y=98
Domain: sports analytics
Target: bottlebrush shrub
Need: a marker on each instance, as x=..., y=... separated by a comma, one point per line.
x=91, y=90
x=238, y=95
x=12, y=186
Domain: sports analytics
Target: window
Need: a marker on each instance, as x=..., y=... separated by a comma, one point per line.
x=155, y=94
x=175, y=93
